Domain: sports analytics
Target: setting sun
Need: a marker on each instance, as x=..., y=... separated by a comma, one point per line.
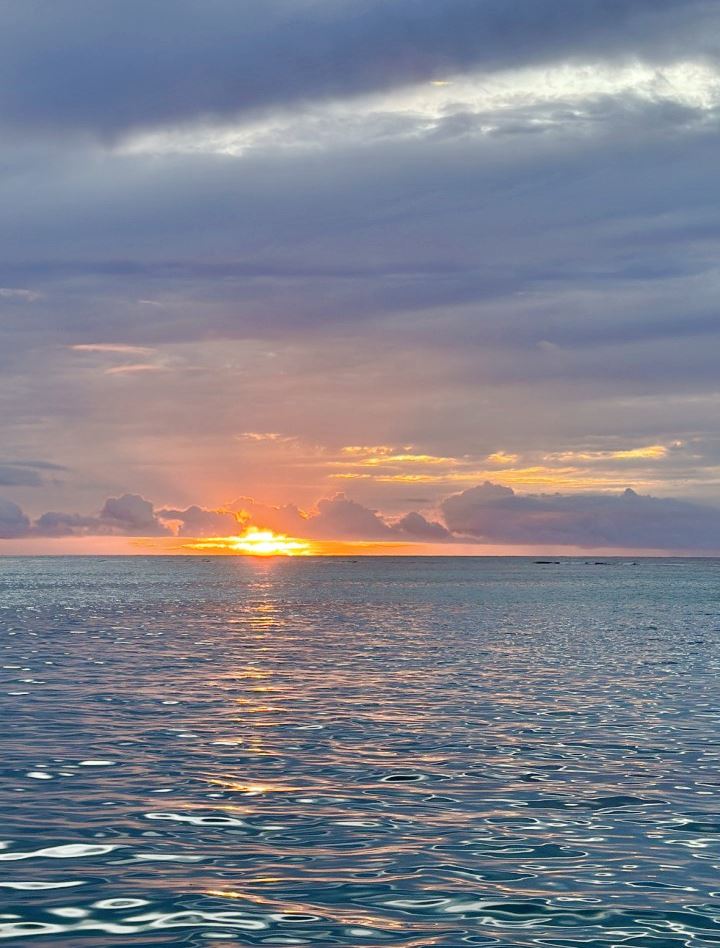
x=256, y=542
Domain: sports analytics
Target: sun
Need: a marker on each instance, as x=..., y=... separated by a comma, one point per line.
x=256, y=542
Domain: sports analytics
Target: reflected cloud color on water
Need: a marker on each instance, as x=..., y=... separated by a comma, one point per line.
x=383, y=752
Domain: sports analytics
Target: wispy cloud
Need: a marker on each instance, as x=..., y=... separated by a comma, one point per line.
x=19, y=294
x=134, y=368
x=111, y=348
x=273, y=437
x=649, y=452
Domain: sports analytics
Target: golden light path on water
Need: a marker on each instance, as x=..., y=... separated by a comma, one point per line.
x=349, y=751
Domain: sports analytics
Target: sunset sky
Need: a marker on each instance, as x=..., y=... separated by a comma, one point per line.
x=380, y=275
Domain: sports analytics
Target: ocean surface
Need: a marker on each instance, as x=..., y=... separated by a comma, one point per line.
x=370, y=752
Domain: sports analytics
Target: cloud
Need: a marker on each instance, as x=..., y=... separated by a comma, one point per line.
x=275, y=437
x=132, y=515
x=335, y=518
x=463, y=266
x=197, y=521
x=492, y=513
x=648, y=452
x=489, y=514
x=342, y=517
x=110, y=347
x=286, y=518
x=16, y=294
x=414, y=526
x=11, y=476
x=56, y=524
x=13, y=522
x=107, y=67
x=502, y=458
x=133, y=368
x=128, y=515
x=27, y=473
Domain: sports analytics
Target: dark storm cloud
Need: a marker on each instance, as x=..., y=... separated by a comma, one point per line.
x=491, y=513
x=105, y=66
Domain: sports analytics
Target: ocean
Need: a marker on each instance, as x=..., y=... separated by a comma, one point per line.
x=360, y=752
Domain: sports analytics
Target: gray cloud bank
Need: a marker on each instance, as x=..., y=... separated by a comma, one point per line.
x=487, y=514
x=492, y=513
x=104, y=67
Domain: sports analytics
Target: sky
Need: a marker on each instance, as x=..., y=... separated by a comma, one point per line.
x=379, y=276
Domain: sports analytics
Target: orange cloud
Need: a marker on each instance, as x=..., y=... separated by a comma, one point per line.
x=500, y=457
x=649, y=452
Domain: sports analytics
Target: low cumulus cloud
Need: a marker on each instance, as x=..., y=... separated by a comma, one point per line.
x=414, y=526
x=338, y=517
x=133, y=515
x=130, y=515
x=491, y=513
x=13, y=522
x=197, y=521
x=335, y=518
x=341, y=518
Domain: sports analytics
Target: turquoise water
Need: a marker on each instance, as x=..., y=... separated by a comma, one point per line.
x=376, y=752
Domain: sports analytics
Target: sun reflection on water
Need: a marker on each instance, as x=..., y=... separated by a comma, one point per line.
x=375, y=753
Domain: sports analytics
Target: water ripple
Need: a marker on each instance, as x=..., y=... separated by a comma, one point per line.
x=383, y=752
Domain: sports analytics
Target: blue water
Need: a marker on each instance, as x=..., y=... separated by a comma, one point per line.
x=376, y=752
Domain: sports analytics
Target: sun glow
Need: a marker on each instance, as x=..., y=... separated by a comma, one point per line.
x=255, y=542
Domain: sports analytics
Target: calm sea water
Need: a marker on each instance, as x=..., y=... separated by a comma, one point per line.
x=375, y=752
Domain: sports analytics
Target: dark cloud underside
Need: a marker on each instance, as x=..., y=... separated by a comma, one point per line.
x=104, y=66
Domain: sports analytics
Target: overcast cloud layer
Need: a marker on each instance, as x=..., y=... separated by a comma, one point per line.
x=387, y=250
